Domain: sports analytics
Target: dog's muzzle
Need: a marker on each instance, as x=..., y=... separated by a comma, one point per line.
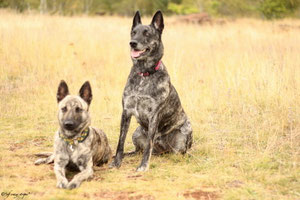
x=69, y=125
x=133, y=44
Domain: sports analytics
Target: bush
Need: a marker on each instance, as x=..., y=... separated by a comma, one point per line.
x=182, y=9
x=273, y=9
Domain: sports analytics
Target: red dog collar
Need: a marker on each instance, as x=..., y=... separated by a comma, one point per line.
x=147, y=73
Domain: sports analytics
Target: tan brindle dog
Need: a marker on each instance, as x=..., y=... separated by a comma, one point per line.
x=77, y=145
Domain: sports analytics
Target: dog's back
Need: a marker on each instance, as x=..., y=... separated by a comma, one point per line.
x=102, y=151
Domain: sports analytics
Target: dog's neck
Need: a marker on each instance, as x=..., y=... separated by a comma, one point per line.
x=78, y=138
x=75, y=133
x=147, y=66
x=149, y=72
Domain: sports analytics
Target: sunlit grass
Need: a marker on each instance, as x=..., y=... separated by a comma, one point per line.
x=239, y=83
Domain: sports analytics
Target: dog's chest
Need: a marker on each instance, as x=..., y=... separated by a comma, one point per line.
x=139, y=99
x=141, y=106
x=79, y=154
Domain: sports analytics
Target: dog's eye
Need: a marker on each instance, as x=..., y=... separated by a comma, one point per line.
x=77, y=109
x=64, y=109
x=133, y=32
x=145, y=33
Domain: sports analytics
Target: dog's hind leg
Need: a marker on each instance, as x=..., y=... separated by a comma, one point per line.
x=43, y=154
x=139, y=139
x=179, y=141
x=48, y=160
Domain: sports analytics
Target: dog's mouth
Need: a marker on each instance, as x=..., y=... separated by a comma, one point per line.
x=135, y=53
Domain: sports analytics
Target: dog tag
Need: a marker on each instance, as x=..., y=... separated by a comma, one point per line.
x=71, y=147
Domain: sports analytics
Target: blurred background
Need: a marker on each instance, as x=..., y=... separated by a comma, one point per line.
x=267, y=9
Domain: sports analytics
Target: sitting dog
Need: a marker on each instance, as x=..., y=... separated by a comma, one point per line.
x=77, y=146
x=151, y=98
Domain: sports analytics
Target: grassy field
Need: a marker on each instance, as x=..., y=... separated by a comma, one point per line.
x=239, y=83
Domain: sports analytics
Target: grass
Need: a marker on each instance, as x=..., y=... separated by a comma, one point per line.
x=238, y=82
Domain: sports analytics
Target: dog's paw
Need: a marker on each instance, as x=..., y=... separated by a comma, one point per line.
x=40, y=161
x=142, y=168
x=73, y=185
x=115, y=164
x=62, y=184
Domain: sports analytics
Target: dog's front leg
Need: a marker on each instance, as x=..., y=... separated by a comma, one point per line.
x=86, y=173
x=125, y=122
x=152, y=129
x=60, y=171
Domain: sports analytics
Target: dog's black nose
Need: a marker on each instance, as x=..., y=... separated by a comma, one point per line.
x=69, y=125
x=133, y=44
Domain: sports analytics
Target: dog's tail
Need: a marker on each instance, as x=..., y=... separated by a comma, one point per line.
x=43, y=154
x=47, y=158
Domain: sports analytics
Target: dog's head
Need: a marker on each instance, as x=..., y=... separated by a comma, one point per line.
x=146, y=39
x=73, y=111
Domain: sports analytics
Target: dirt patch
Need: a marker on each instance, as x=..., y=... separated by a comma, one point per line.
x=200, y=195
x=25, y=144
x=15, y=146
x=139, y=177
x=123, y=196
x=86, y=195
x=38, y=141
x=134, y=176
x=98, y=178
x=36, y=179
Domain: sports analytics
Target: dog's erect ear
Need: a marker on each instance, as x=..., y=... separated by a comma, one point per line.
x=158, y=21
x=85, y=92
x=136, y=19
x=62, y=91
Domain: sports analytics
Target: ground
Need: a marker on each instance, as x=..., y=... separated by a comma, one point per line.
x=238, y=82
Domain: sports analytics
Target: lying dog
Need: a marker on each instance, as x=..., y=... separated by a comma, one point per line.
x=151, y=98
x=77, y=146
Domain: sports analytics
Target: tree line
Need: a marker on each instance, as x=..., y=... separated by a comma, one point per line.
x=268, y=9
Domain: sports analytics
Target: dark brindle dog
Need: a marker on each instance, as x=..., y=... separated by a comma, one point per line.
x=77, y=145
x=151, y=98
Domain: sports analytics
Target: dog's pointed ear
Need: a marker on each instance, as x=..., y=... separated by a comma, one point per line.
x=85, y=92
x=136, y=19
x=158, y=21
x=62, y=91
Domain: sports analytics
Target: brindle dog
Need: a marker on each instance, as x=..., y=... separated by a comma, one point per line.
x=77, y=146
x=151, y=98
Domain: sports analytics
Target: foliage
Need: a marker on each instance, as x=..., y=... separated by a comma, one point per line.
x=183, y=7
x=277, y=8
x=231, y=8
x=267, y=8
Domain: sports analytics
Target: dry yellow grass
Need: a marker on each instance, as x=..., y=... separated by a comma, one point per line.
x=239, y=83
